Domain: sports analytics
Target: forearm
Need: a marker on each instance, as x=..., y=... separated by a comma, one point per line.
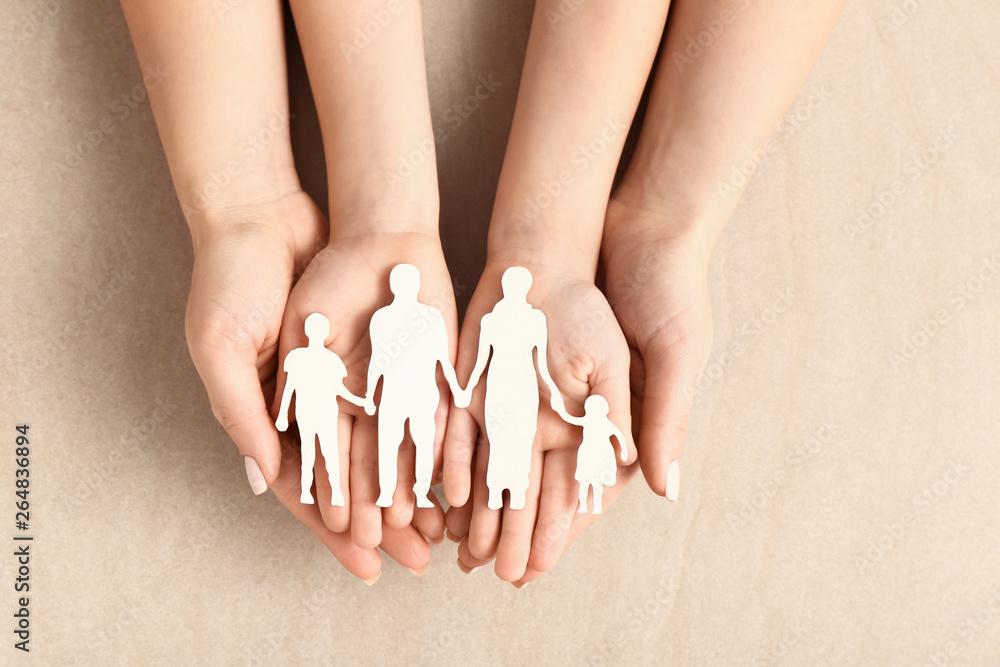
x=714, y=108
x=583, y=77
x=371, y=96
x=221, y=101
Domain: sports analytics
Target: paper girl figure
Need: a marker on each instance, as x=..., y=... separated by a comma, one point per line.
x=316, y=377
x=409, y=340
x=513, y=330
x=595, y=459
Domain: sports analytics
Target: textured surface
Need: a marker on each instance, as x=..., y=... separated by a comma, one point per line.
x=839, y=503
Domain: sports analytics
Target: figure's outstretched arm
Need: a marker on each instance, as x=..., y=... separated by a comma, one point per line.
x=482, y=357
x=361, y=402
x=622, y=443
x=558, y=404
x=374, y=374
x=286, y=399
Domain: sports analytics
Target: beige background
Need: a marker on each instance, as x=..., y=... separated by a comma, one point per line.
x=151, y=549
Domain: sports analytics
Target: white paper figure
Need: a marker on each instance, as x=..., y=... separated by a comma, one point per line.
x=316, y=376
x=595, y=459
x=513, y=330
x=409, y=340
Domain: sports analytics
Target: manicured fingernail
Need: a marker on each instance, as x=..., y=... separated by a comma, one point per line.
x=456, y=540
x=373, y=579
x=417, y=573
x=673, y=480
x=256, y=477
x=436, y=540
x=465, y=568
x=520, y=584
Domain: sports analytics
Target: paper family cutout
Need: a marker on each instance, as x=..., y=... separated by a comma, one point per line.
x=409, y=339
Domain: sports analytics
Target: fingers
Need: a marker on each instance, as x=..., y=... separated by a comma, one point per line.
x=459, y=447
x=518, y=527
x=400, y=513
x=484, y=527
x=366, y=516
x=457, y=521
x=466, y=561
x=430, y=521
x=407, y=547
x=556, y=509
x=362, y=563
x=666, y=399
x=234, y=391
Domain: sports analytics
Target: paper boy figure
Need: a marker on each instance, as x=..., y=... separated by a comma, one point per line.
x=316, y=377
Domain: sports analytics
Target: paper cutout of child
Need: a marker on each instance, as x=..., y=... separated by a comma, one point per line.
x=316, y=377
x=595, y=459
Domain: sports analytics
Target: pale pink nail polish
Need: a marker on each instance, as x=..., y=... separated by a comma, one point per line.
x=673, y=480
x=256, y=477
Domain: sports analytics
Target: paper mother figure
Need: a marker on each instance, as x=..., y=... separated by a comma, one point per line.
x=316, y=376
x=513, y=331
x=595, y=459
x=409, y=340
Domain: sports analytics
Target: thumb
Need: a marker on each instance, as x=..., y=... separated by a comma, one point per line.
x=668, y=388
x=237, y=399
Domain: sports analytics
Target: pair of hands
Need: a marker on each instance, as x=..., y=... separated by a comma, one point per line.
x=246, y=312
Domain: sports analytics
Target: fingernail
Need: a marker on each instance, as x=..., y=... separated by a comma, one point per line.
x=673, y=480
x=417, y=573
x=465, y=568
x=451, y=537
x=520, y=584
x=373, y=579
x=256, y=477
x=436, y=540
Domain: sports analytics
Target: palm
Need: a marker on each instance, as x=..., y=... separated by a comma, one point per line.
x=586, y=354
x=348, y=282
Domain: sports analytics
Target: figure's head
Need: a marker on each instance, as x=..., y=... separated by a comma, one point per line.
x=596, y=405
x=516, y=282
x=404, y=280
x=317, y=328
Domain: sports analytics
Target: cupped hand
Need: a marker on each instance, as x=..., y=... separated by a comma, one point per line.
x=347, y=282
x=656, y=281
x=586, y=354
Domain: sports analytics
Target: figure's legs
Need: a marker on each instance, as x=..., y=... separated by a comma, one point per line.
x=518, y=495
x=598, y=491
x=422, y=430
x=308, y=447
x=390, y=436
x=495, y=483
x=584, y=489
x=331, y=454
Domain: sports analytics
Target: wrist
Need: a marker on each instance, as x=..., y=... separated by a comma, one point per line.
x=379, y=215
x=545, y=247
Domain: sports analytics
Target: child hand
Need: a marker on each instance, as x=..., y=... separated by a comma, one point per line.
x=587, y=353
x=348, y=281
